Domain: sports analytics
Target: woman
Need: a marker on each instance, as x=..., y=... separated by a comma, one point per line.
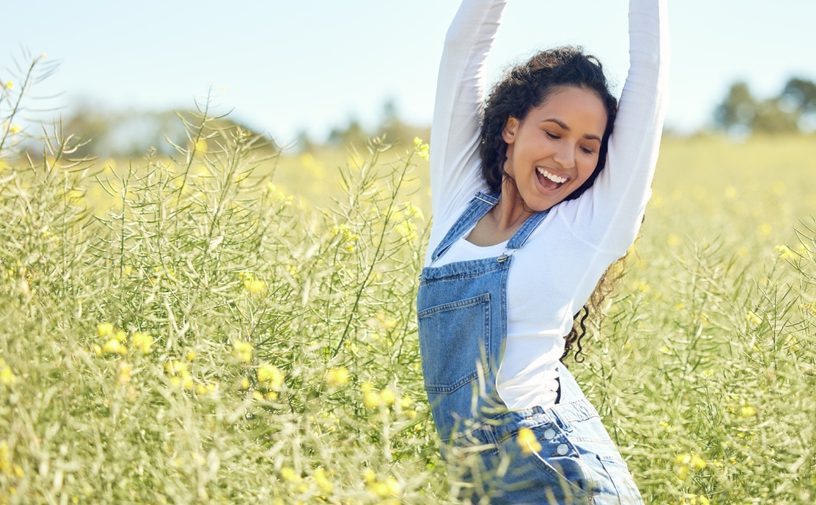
x=558, y=198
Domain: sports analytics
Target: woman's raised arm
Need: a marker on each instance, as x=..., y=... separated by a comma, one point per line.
x=609, y=214
x=454, y=143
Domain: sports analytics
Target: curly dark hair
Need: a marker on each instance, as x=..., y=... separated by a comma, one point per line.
x=525, y=87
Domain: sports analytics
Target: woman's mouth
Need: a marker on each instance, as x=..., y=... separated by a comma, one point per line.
x=548, y=180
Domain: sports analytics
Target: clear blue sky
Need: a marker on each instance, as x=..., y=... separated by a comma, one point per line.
x=283, y=66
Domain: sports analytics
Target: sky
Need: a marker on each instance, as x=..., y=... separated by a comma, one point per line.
x=286, y=66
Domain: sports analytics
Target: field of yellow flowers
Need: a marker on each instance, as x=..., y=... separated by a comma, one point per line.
x=234, y=326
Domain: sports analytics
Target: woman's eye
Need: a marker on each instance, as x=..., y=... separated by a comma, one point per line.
x=552, y=136
x=586, y=150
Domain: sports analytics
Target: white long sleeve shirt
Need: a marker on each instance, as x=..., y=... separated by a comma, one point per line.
x=556, y=271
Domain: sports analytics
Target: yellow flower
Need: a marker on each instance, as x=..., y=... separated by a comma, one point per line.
x=387, y=397
x=244, y=384
x=255, y=286
x=388, y=487
x=369, y=476
x=104, y=329
x=142, y=341
x=682, y=459
x=289, y=474
x=422, y=149
x=642, y=286
x=337, y=376
x=201, y=146
x=697, y=462
x=7, y=377
x=113, y=346
x=125, y=370
x=190, y=356
x=242, y=351
x=323, y=481
x=252, y=284
x=175, y=367
x=13, y=129
x=785, y=252
x=407, y=230
x=747, y=411
x=673, y=240
x=8, y=85
x=187, y=381
x=527, y=440
x=270, y=376
x=753, y=318
x=765, y=229
x=371, y=398
x=121, y=336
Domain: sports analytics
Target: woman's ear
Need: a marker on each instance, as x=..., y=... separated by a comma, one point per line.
x=509, y=130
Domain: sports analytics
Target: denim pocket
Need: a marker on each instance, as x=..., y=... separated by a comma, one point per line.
x=452, y=338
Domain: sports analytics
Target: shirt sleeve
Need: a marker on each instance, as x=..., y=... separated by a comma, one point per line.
x=458, y=107
x=609, y=214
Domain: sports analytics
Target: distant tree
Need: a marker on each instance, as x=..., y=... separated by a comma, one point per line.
x=741, y=112
x=801, y=93
x=353, y=133
x=737, y=110
x=397, y=131
x=304, y=142
x=133, y=133
x=772, y=117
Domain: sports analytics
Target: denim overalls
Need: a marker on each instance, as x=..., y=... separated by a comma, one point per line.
x=462, y=316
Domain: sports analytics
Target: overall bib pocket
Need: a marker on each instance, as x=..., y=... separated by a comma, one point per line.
x=450, y=357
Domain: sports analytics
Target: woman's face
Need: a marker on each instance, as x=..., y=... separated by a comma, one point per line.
x=554, y=149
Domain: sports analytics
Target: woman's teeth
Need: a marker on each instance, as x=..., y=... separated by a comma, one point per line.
x=552, y=177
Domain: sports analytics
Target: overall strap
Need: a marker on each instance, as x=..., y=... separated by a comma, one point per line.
x=478, y=206
x=475, y=210
x=522, y=234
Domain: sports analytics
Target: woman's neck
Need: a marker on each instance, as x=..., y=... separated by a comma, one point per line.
x=511, y=210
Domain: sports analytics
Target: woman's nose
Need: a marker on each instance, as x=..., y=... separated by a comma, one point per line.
x=565, y=156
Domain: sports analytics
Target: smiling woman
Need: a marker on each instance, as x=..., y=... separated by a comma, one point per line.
x=546, y=158
x=566, y=95
x=533, y=197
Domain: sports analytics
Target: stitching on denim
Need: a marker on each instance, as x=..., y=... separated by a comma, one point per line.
x=441, y=388
x=457, y=304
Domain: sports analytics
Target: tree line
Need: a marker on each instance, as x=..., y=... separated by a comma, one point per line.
x=793, y=109
x=741, y=113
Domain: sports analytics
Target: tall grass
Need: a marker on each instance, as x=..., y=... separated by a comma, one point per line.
x=210, y=337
